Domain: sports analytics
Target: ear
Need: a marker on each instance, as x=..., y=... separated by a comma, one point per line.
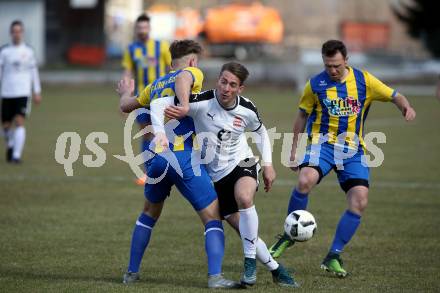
x=193, y=61
x=240, y=89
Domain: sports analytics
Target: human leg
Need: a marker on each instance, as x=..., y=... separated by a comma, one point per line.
x=19, y=138
x=354, y=181
x=13, y=110
x=141, y=238
x=155, y=195
x=307, y=179
x=199, y=191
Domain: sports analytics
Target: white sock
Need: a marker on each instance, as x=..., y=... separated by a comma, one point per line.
x=248, y=226
x=19, y=138
x=264, y=256
x=9, y=137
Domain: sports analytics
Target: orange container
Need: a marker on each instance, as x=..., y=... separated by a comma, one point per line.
x=243, y=23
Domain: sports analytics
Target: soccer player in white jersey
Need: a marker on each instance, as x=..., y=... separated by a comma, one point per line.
x=18, y=79
x=221, y=119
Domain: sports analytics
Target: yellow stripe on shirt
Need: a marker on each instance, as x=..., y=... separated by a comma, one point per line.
x=333, y=123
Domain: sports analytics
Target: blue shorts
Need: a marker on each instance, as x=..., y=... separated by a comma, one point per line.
x=143, y=118
x=351, y=171
x=198, y=190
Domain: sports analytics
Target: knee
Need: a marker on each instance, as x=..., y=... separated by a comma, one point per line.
x=359, y=203
x=19, y=120
x=244, y=200
x=153, y=210
x=210, y=213
x=305, y=183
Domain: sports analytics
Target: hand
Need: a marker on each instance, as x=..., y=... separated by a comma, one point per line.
x=176, y=112
x=161, y=139
x=409, y=113
x=125, y=87
x=268, y=177
x=295, y=166
x=37, y=99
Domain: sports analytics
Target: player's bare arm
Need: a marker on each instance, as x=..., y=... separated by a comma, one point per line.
x=299, y=125
x=127, y=74
x=125, y=89
x=36, y=98
x=404, y=106
x=157, y=109
x=265, y=150
x=184, y=83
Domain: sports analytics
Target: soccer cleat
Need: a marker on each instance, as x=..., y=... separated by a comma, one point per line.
x=249, y=276
x=281, y=245
x=141, y=181
x=16, y=161
x=9, y=152
x=219, y=282
x=282, y=277
x=333, y=263
x=130, y=278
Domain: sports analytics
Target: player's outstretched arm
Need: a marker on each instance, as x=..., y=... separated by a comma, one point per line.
x=265, y=150
x=127, y=102
x=157, y=108
x=404, y=106
x=36, y=84
x=184, y=81
x=299, y=125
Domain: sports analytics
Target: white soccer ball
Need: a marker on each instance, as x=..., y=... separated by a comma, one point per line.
x=300, y=225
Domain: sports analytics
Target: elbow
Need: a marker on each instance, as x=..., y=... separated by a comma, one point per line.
x=124, y=108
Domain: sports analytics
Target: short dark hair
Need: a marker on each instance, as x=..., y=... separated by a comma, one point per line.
x=179, y=49
x=16, y=22
x=332, y=47
x=236, y=69
x=143, y=17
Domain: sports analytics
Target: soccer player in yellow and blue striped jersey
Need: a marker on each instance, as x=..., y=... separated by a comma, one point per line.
x=145, y=60
x=332, y=110
x=185, y=79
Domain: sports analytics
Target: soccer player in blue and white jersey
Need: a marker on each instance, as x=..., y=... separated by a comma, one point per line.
x=185, y=79
x=145, y=60
x=333, y=109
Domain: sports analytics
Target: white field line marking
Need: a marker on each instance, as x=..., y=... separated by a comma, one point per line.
x=278, y=182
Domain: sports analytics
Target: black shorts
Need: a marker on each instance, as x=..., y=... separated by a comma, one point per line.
x=12, y=107
x=225, y=187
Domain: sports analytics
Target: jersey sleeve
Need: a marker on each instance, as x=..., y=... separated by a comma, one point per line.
x=255, y=122
x=377, y=90
x=36, y=85
x=127, y=63
x=196, y=106
x=144, y=97
x=308, y=99
x=165, y=53
x=157, y=113
x=197, y=79
x=1, y=64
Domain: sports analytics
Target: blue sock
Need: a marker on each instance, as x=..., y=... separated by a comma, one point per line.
x=347, y=226
x=214, y=246
x=298, y=201
x=139, y=241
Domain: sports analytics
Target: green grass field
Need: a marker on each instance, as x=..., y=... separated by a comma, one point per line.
x=72, y=234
